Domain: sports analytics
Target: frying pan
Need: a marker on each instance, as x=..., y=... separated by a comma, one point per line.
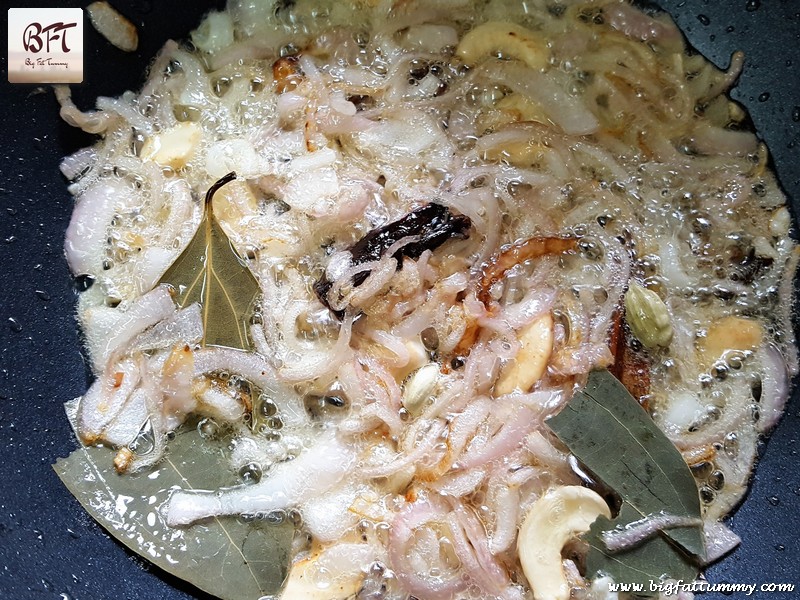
x=49, y=547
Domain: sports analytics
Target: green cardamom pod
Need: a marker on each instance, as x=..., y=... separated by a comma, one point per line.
x=647, y=316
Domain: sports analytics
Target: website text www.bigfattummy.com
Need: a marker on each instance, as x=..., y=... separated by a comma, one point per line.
x=669, y=588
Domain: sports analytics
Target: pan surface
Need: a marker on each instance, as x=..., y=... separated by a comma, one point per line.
x=49, y=547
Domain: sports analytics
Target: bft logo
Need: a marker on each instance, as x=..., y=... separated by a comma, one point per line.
x=32, y=36
x=45, y=45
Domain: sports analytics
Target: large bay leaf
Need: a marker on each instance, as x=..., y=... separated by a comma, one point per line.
x=652, y=560
x=225, y=557
x=607, y=429
x=210, y=271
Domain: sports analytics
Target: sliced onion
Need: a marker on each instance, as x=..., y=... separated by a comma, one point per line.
x=394, y=345
x=90, y=122
x=404, y=526
x=506, y=513
x=128, y=422
x=368, y=417
x=87, y=231
x=252, y=367
x=313, y=473
x=719, y=540
x=724, y=83
x=459, y=483
x=546, y=454
x=472, y=547
x=105, y=400
x=242, y=51
x=186, y=325
x=328, y=517
x=637, y=532
x=636, y=24
x=786, y=305
x=505, y=441
x=712, y=140
x=569, y=112
x=430, y=38
x=735, y=413
x=126, y=109
x=380, y=273
x=385, y=381
x=318, y=363
x=424, y=448
x=465, y=424
x=534, y=304
x=177, y=396
x=113, y=26
x=774, y=388
x=110, y=330
x=220, y=406
x=74, y=165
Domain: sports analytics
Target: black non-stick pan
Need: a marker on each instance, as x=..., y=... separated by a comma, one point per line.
x=50, y=548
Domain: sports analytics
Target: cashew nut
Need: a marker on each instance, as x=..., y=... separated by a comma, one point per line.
x=553, y=519
x=173, y=147
x=235, y=201
x=512, y=108
x=519, y=154
x=301, y=585
x=531, y=361
x=417, y=357
x=335, y=573
x=730, y=334
x=528, y=109
x=506, y=38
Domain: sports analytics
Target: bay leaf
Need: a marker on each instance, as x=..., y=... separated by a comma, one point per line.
x=652, y=560
x=225, y=557
x=607, y=429
x=210, y=271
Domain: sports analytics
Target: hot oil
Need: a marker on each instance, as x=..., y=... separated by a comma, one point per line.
x=708, y=244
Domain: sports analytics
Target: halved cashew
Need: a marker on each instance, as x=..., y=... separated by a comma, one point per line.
x=173, y=147
x=512, y=108
x=558, y=515
x=730, y=334
x=417, y=357
x=301, y=584
x=519, y=154
x=506, y=38
x=234, y=201
x=528, y=109
x=335, y=573
x=531, y=361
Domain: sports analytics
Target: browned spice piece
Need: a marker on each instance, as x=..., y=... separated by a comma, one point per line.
x=433, y=224
x=498, y=265
x=630, y=367
x=287, y=74
x=118, y=377
x=494, y=270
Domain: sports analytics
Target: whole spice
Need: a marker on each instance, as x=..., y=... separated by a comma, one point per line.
x=210, y=271
x=647, y=316
x=433, y=223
